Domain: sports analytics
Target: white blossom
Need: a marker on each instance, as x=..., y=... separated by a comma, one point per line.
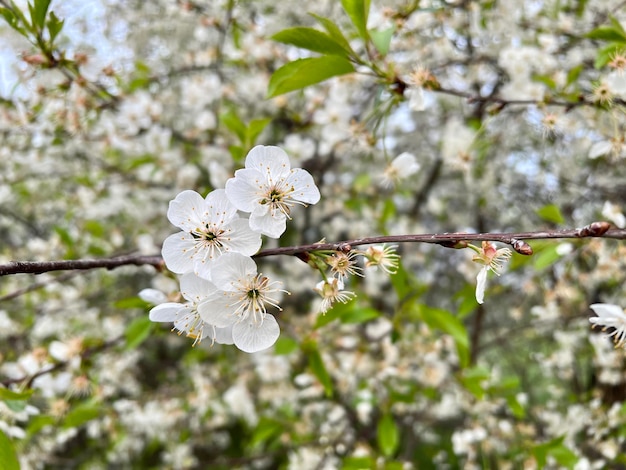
x=268, y=188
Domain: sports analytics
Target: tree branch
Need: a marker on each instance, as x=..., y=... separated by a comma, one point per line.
x=450, y=240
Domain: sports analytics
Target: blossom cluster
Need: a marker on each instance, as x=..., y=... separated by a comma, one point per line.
x=225, y=298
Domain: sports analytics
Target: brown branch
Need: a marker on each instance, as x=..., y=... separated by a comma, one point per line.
x=450, y=240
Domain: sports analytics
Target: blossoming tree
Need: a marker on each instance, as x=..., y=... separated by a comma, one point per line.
x=387, y=234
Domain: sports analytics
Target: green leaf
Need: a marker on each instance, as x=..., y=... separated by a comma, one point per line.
x=265, y=431
x=137, y=332
x=285, y=345
x=334, y=32
x=8, y=456
x=131, y=302
x=607, y=33
x=605, y=55
x=448, y=323
x=358, y=463
x=382, y=39
x=551, y=213
x=81, y=414
x=358, y=11
x=13, y=21
x=305, y=72
x=312, y=40
x=573, y=74
x=255, y=128
x=234, y=124
x=318, y=368
x=546, y=257
x=359, y=314
x=473, y=380
x=557, y=450
x=38, y=13
x=55, y=25
x=6, y=394
x=387, y=435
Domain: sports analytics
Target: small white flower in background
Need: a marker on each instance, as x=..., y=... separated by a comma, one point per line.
x=610, y=316
x=614, y=213
x=493, y=260
x=268, y=188
x=237, y=297
x=401, y=167
x=331, y=292
x=185, y=316
x=210, y=227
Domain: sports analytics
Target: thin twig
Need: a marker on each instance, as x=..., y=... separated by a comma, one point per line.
x=451, y=240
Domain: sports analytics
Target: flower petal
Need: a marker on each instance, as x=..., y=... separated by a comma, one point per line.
x=271, y=161
x=178, y=252
x=245, y=189
x=223, y=335
x=165, y=312
x=304, y=188
x=481, y=283
x=218, y=309
x=152, y=296
x=241, y=238
x=252, y=337
x=187, y=210
x=230, y=268
x=194, y=288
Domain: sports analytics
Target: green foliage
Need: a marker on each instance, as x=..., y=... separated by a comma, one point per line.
x=247, y=134
x=551, y=213
x=614, y=34
x=312, y=40
x=387, y=435
x=302, y=73
x=138, y=331
x=316, y=364
x=350, y=312
x=8, y=457
x=82, y=414
x=381, y=38
x=358, y=11
x=557, y=450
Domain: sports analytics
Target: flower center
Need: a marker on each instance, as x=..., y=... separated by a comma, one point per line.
x=279, y=199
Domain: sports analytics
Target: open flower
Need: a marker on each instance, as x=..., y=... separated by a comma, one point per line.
x=401, y=167
x=610, y=316
x=493, y=260
x=268, y=188
x=238, y=297
x=185, y=316
x=383, y=256
x=210, y=227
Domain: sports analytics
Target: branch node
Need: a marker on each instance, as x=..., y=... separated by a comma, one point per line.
x=594, y=229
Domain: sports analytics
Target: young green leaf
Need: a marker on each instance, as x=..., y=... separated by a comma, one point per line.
x=382, y=38
x=8, y=456
x=551, y=213
x=358, y=11
x=318, y=368
x=38, y=12
x=55, y=25
x=387, y=435
x=302, y=73
x=334, y=32
x=312, y=40
x=137, y=332
x=607, y=33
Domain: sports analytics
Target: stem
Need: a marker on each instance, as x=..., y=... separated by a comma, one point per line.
x=596, y=229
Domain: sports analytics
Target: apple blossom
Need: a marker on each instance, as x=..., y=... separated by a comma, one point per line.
x=610, y=316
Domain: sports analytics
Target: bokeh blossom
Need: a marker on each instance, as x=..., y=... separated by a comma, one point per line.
x=610, y=316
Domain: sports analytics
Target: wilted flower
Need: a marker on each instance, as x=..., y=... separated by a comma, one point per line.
x=382, y=256
x=493, y=260
x=332, y=291
x=343, y=264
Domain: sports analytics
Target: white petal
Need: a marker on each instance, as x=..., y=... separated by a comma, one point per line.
x=218, y=309
x=219, y=208
x=187, y=210
x=230, y=268
x=607, y=313
x=304, y=186
x=273, y=227
x=251, y=337
x=224, y=335
x=271, y=161
x=194, y=288
x=152, y=296
x=178, y=252
x=165, y=312
x=245, y=189
x=481, y=283
x=598, y=149
x=241, y=238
